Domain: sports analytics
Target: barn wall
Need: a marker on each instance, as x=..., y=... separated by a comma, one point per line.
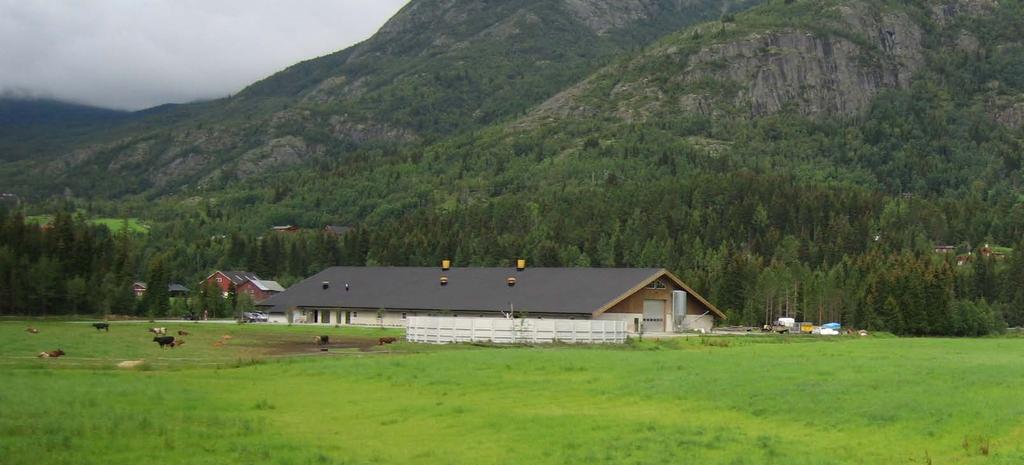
x=253, y=292
x=635, y=302
x=632, y=307
x=446, y=330
x=393, y=318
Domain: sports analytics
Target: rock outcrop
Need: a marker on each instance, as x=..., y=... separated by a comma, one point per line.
x=810, y=70
x=1008, y=111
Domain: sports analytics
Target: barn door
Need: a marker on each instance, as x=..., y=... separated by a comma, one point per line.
x=654, y=316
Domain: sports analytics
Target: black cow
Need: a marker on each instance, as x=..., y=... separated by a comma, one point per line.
x=321, y=340
x=103, y=326
x=164, y=341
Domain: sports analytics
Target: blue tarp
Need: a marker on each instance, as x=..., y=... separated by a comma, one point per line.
x=835, y=326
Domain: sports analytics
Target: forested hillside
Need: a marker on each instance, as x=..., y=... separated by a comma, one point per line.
x=438, y=68
x=802, y=158
x=28, y=126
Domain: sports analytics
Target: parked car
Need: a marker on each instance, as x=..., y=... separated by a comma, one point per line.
x=255, y=317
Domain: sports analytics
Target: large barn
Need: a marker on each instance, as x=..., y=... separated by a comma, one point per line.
x=648, y=299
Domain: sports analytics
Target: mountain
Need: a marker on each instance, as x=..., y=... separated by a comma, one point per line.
x=439, y=67
x=28, y=124
x=803, y=155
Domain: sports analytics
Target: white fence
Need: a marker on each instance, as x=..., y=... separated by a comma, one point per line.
x=445, y=330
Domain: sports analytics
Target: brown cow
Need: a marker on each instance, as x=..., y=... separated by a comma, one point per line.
x=182, y=333
x=51, y=354
x=177, y=343
x=32, y=330
x=386, y=340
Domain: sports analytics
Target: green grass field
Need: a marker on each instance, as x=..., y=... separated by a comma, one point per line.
x=134, y=225
x=702, y=401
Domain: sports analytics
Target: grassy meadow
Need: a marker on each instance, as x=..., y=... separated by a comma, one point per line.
x=134, y=225
x=265, y=398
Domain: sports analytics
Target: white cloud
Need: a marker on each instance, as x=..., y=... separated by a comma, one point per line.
x=134, y=54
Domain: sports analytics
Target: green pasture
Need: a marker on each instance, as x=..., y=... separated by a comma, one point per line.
x=754, y=400
x=134, y=225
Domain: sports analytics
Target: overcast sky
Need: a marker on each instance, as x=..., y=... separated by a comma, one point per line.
x=134, y=54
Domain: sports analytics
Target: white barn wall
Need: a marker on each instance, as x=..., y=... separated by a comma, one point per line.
x=446, y=330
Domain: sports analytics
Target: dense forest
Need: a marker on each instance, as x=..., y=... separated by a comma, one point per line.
x=73, y=267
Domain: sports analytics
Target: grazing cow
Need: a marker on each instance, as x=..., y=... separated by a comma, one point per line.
x=182, y=333
x=158, y=331
x=51, y=354
x=386, y=340
x=164, y=341
x=178, y=342
x=32, y=330
x=103, y=326
x=321, y=340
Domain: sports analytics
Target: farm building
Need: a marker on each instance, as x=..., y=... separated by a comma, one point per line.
x=139, y=289
x=173, y=289
x=647, y=299
x=259, y=289
x=224, y=279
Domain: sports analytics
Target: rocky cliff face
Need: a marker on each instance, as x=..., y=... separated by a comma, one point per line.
x=1008, y=111
x=817, y=74
x=827, y=70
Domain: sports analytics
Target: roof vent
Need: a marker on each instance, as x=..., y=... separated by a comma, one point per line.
x=326, y=285
x=444, y=280
x=346, y=287
x=446, y=265
x=520, y=264
x=511, y=281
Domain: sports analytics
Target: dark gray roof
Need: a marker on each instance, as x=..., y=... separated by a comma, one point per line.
x=337, y=230
x=239, y=277
x=537, y=290
x=175, y=287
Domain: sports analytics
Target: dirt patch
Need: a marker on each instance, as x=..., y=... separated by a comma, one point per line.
x=305, y=345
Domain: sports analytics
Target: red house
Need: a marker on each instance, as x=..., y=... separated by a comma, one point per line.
x=259, y=290
x=223, y=279
x=139, y=288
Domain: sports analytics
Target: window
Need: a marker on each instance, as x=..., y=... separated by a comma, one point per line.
x=218, y=279
x=656, y=285
x=404, y=315
x=355, y=314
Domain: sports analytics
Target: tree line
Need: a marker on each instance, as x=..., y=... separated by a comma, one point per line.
x=72, y=267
